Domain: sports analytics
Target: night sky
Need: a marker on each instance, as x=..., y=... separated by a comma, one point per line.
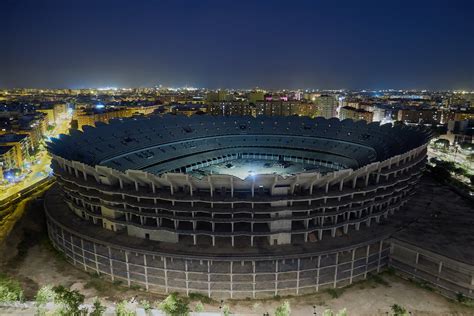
x=237, y=44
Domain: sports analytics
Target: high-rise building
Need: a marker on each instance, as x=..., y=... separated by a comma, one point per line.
x=23, y=147
x=255, y=96
x=327, y=105
x=230, y=108
x=217, y=96
x=419, y=116
x=347, y=112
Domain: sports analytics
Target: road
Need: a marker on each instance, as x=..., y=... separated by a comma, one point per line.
x=41, y=169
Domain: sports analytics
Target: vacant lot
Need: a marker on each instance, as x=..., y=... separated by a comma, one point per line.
x=28, y=257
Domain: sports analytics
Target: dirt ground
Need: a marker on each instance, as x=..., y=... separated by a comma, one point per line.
x=29, y=258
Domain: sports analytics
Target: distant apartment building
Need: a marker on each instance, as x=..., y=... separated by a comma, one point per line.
x=354, y=114
x=88, y=116
x=419, y=116
x=217, y=96
x=8, y=159
x=230, y=108
x=22, y=149
x=327, y=105
x=187, y=109
x=306, y=109
x=255, y=96
x=460, y=132
x=33, y=124
x=53, y=111
x=277, y=108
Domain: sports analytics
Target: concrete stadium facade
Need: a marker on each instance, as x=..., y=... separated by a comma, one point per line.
x=126, y=206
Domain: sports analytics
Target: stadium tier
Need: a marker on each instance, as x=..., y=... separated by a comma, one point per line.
x=232, y=207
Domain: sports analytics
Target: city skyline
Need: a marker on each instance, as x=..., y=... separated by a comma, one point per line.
x=368, y=45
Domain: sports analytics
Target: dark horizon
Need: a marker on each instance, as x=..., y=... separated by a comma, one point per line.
x=223, y=44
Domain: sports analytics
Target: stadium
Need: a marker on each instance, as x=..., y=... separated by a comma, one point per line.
x=232, y=207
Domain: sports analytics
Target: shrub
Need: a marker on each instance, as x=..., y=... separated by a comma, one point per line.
x=69, y=301
x=10, y=290
x=97, y=308
x=283, y=310
x=329, y=312
x=173, y=305
x=398, y=310
x=200, y=297
x=226, y=310
x=146, y=305
x=124, y=309
x=199, y=307
x=44, y=295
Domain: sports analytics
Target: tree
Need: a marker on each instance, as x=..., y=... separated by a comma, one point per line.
x=44, y=295
x=283, y=310
x=10, y=290
x=70, y=301
x=97, y=308
x=199, y=307
x=441, y=143
x=146, y=305
x=440, y=173
x=398, y=310
x=329, y=312
x=124, y=309
x=226, y=310
x=173, y=305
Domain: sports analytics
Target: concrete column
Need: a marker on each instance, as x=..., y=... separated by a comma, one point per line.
x=317, y=273
x=352, y=266
x=83, y=255
x=231, y=274
x=128, y=268
x=111, y=264
x=367, y=252
x=186, y=275
x=95, y=260
x=166, y=274
x=146, y=271
x=276, y=277
x=253, y=278
x=208, y=278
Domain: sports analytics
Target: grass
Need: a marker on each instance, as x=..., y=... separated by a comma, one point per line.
x=422, y=284
x=201, y=297
x=376, y=278
x=466, y=301
x=335, y=293
x=97, y=283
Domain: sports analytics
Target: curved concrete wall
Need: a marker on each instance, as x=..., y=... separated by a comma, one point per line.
x=177, y=207
x=215, y=277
